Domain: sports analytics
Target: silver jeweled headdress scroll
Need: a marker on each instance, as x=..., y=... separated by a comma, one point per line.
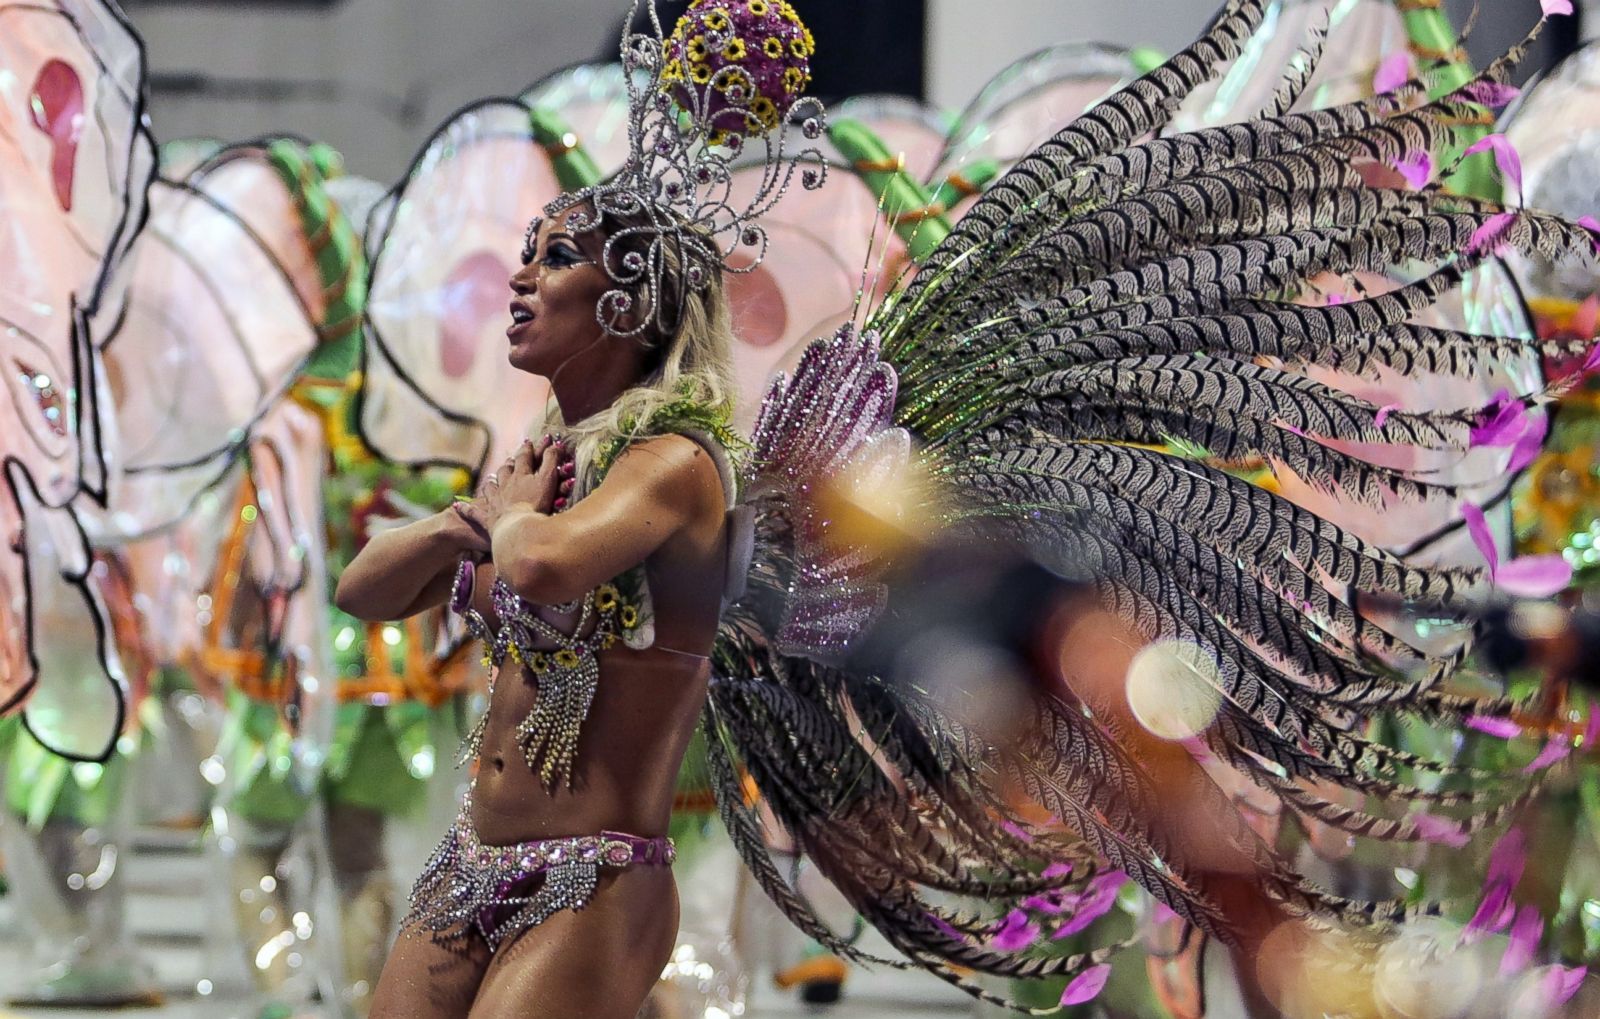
x=730, y=77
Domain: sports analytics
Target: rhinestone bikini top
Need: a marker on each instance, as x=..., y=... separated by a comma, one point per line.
x=560, y=644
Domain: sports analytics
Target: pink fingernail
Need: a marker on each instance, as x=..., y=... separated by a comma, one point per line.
x=561, y=504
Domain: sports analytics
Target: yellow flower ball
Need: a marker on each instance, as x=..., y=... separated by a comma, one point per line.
x=697, y=48
x=734, y=51
x=700, y=74
x=759, y=8
x=795, y=80
x=673, y=71
x=630, y=617
x=773, y=47
x=605, y=599
x=797, y=46
x=567, y=659
x=787, y=13
x=718, y=21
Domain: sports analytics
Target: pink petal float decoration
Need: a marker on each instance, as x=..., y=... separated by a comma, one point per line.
x=1087, y=985
x=1489, y=233
x=1526, y=933
x=1528, y=577
x=1393, y=72
x=1553, y=8
x=1505, y=156
x=1417, y=169
x=1016, y=932
x=1440, y=831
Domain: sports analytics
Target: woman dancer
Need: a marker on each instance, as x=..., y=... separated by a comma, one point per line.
x=1104, y=328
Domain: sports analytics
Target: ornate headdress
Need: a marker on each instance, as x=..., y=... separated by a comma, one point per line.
x=732, y=75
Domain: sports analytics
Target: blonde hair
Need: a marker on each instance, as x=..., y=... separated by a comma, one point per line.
x=695, y=365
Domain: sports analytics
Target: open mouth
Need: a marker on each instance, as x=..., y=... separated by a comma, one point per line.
x=520, y=315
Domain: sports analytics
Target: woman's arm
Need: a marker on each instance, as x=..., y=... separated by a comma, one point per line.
x=654, y=490
x=408, y=569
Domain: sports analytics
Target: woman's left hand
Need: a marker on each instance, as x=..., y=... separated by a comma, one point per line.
x=538, y=477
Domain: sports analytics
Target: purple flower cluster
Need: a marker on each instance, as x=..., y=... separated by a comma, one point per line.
x=748, y=55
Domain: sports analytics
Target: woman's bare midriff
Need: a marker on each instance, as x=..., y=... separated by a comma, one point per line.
x=629, y=752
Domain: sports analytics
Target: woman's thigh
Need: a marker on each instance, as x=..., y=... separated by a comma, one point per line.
x=597, y=963
x=428, y=979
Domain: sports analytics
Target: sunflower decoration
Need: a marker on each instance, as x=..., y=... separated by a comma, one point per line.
x=756, y=54
x=606, y=598
x=567, y=658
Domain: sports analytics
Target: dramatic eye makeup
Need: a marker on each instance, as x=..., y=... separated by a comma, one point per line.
x=560, y=250
x=529, y=239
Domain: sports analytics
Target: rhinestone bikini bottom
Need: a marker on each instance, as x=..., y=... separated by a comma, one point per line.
x=500, y=891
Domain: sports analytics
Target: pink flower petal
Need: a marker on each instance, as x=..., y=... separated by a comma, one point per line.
x=1494, y=912
x=1505, y=156
x=1016, y=831
x=1490, y=93
x=1526, y=933
x=1554, y=750
x=1393, y=72
x=1534, y=576
x=1508, y=858
x=1565, y=982
x=947, y=930
x=1097, y=901
x=1058, y=870
x=1334, y=300
x=1164, y=914
x=1592, y=225
x=1552, y=8
x=1417, y=169
x=1504, y=728
x=1501, y=423
x=1591, y=732
x=1478, y=527
x=1044, y=904
x=1440, y=830
x=1489, y=233
x=1087, y=986
x=1530, y=444
x=1016, y=932
x=1384, y=412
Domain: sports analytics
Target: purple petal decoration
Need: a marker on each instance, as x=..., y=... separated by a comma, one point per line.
x=1016, y=831
x=1440, y=830
x=1554, y=750
x=1505, y=156
x=1560, y=983
x=1526, y=933
x=1501, y=423
x=1504, y=728
x=1045, y=904
x=1494, y=912
x=1383, y=414
x=1508, y=858
x=1015, y=932
x=1534, y=576
x=1098, y=898
x=1552, y=8
x=1394, y=72
x=1056, y=870
x=1531, y=443
x=1164, y=913
x=947, y=930
x=1592, y=225
x=1334, y=300
x=1087, y=986
x=1490, y=231
x=1478, y=527
x=1417, y=169
x=1591, y=731
x=1491, y=93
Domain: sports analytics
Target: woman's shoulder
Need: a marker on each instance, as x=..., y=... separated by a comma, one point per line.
x=689, y=458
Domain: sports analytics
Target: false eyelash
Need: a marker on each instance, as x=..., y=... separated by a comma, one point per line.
x=527, y=239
